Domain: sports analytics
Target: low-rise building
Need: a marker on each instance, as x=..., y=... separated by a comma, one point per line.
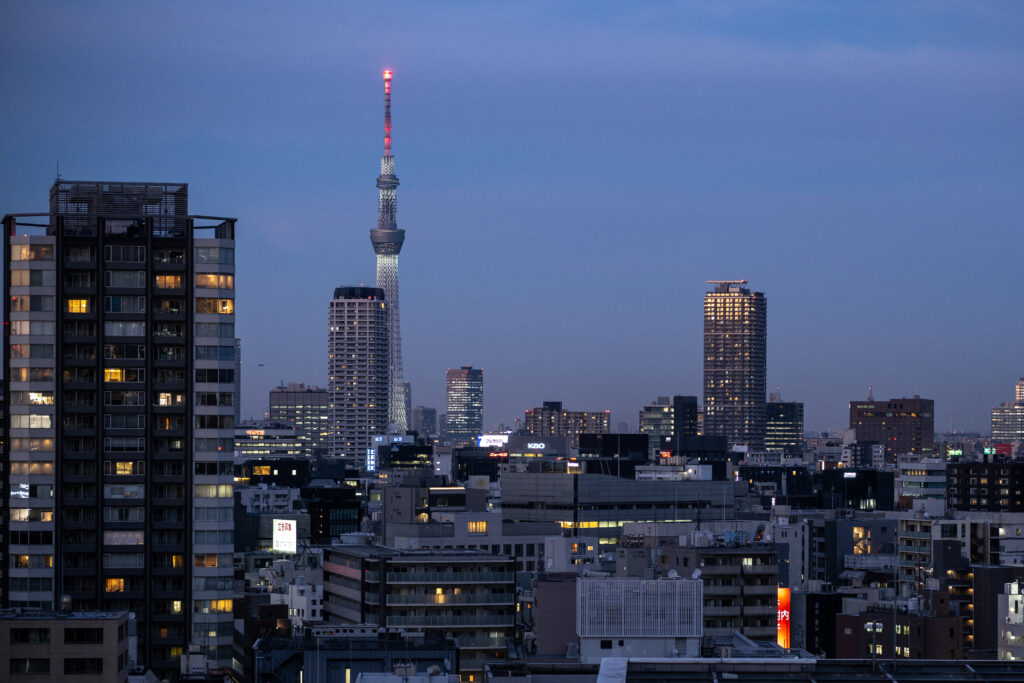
x=1011, y=622
x=638, y=618
x=922, y=631
x=468, y=595
x=344, y=653
x=78, y=647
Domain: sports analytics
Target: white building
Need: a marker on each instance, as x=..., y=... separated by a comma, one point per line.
x=1011, y=622
x=639, y=618
x=921, y=479
x=268, y=499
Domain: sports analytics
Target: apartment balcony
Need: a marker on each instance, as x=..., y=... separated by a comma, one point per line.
x=449, y=577
x=440, y=600
x=448, y=621
x=730, y=611
x=481, y=642
x=916, y=534
x=760, y=611
x=720, y=570
x=760, y=590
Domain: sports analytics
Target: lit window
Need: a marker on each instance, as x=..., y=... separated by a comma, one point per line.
x=168, y=282
x=115, y=585
x=78, y=305
x=476, y=527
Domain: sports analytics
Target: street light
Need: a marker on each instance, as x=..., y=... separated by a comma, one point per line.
x=875, y=627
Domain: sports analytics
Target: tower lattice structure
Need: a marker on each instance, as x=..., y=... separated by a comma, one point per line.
x=387, y=241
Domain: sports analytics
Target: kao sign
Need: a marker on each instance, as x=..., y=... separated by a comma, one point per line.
x=536, y=445
x=284, y=540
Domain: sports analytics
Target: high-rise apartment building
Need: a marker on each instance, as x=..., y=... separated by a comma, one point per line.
x=550, y=419
x=735, y=363
x=464, y=399
x=668, y=419
x=387, y=242
x=424, y=420
x=119, y=364
x=784, y=426
x=307, y=409
x=902, y=425
x=357, y=370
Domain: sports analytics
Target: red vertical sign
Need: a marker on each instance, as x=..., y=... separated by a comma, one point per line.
x=783, y=627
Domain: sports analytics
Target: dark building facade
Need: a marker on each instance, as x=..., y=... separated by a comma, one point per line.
x=985, y=486
x=784, y=427
x=735, y=363
x=668, y=420
x=551, y=419
x=424, y=420
x=119, y=383
x=932, y=633
x=903, y=425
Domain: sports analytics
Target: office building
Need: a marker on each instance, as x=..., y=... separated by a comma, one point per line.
x=920, y=479
x=387, y=241
x=600, y=504
x=903, y=425
x=307, y=409
x=120, y=390
x=357, y=371
x=464, y=400
x=267, y=439
x=784, y=427
x=667, y=420
x=1008, y=418
x=1008, y=422
x=735, y=363
x=424, y=420
x=550, y=419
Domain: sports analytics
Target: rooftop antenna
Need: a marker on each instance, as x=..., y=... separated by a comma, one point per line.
x=58, y=169
x=871, y=394
x=387, y=112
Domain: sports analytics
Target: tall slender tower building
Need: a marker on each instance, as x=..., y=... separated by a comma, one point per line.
x=119, y=386
x=735, y=363
x=387, y=241
x=357, y=371
x=464, y=399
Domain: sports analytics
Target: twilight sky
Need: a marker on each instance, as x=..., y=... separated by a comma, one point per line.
x=571, y=174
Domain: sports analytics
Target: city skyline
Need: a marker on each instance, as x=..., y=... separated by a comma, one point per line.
x=864, y=177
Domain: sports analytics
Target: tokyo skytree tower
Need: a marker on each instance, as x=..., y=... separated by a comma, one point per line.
x=387, y=241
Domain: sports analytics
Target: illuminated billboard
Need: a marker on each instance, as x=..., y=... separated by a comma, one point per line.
x=782, y=637
x=492, y=440
x=284, y=540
